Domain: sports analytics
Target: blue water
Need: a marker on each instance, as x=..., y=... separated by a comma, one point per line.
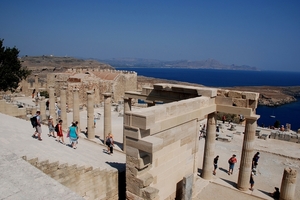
x=289, y=113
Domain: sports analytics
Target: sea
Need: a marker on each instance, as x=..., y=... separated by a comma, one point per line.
x=288, y=113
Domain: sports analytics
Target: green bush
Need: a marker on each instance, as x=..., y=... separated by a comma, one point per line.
x=277, y=124
x=44, y=94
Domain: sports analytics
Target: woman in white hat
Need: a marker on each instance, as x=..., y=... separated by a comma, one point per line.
x=51, y=127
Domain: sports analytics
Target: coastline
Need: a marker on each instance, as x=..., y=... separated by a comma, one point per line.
x=269, y=95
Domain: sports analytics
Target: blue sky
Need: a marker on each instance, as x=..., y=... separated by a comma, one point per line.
x=260, y=33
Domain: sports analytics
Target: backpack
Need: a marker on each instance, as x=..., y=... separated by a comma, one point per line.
x=33, y=121
x=56, y=128
x=108, y=141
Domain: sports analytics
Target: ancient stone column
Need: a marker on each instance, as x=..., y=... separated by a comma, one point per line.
x=247, y=154
x=52, y=104
x=36, y=83
x=127, y=107
x=209, y=147
x=107, y=114
x=63, y=107
x=42, y=104
x=76, y=115
x=90, y=114
x=288, y=184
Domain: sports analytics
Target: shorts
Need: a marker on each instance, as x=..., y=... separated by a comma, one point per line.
x=73, y=140
x=231, y=166
x=51, y=129
x=215, y=166
x=38, y=129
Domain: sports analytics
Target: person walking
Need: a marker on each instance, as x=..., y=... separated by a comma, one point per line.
x=110, y=143
x=60, y=135
x=215, y=164
x=73, y=135
x=38, y=129
x=251, y=181
x=231, y=163
x=255, y=162
x=51, y=127
x=223, y=119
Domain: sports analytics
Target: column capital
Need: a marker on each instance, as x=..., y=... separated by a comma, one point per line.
x=90, y=92
x=253, y=117
x=107, y=94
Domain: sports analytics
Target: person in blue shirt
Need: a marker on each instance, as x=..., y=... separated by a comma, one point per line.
x=73, y=135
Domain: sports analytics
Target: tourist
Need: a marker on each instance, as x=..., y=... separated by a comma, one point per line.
x=109, y=143
x=60, y=135
x=38, y=128
x=251, y=181
x=231, y=163
x=51, y=127
x=47, y=105
x=241, y=118
x=73, y=135
x=276, y=194
x=215, y=164
x=33, y=92
x=255, y=162
x=223, y=119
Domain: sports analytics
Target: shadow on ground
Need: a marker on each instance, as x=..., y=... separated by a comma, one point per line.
x=230, y=182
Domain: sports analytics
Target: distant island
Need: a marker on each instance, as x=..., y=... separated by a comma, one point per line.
x=151, y=63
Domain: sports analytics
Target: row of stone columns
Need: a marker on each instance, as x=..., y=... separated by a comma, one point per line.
x=76, y=111
x=289, y=176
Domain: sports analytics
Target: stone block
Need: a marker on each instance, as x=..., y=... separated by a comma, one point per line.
x=223, y=138
x=222, y=92
x=240, y=102
x=235, y=94
x=149, y=193
x=131, y=196
x=133, y=171
x=264, y=136
x=132, y=132
x=187, y=189
x=148, y=144
x=250, y=95
x=223, y=100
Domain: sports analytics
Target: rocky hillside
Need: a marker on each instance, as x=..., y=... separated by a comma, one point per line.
x=269, y=95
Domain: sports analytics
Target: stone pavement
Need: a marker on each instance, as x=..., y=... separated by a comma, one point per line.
x=16, y=141
x=275, y=155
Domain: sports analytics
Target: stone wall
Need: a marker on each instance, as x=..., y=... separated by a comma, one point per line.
x=161, y=147
x=101, y=81
x=87, y=182
x=13, y=109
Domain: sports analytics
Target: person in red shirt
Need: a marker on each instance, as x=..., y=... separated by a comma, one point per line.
x=60, y=135
x=231, y=163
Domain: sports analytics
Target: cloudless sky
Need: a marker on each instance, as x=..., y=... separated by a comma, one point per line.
x=259, y=33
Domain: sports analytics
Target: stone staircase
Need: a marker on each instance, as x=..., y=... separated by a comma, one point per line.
x=88, y=170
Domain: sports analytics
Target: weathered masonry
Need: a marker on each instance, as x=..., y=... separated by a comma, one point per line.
x=161, y=141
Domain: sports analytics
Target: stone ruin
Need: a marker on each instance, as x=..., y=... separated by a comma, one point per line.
x=161, y=141
x=100, y=81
